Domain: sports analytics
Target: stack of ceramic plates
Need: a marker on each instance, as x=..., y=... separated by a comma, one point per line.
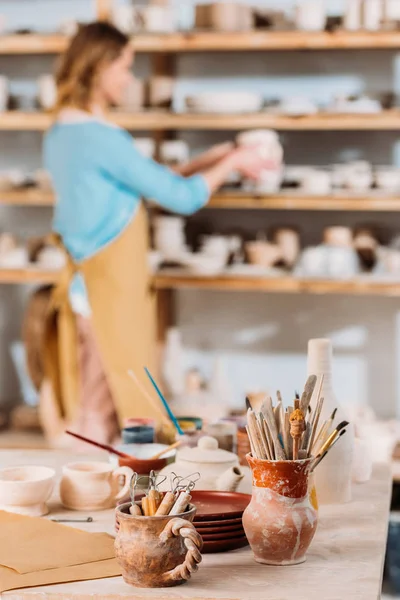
x=225, y=102
x=219, y=519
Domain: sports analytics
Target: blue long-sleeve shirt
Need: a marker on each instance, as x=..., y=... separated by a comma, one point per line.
x=99, y=177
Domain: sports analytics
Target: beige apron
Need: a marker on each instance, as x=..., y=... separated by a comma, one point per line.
x=123, y=319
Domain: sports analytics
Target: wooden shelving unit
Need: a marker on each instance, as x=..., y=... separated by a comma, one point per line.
x=162, y=120
x=27, y=276
x=376, y=202
x=29, y=197
x=283, y=285
x=202, y=41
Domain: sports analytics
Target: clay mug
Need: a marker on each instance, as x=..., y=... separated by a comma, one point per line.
x=93, y=485
x=157, y=551
x=281, y=519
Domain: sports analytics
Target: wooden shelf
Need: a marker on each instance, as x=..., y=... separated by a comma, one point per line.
x=284, y=285
x=235, y=200
x=341, y=201
x=27, y=276
x=28, y=197
x=159, y=120
x=202, y=41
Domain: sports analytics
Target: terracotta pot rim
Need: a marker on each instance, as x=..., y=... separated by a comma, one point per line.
x=263, y=461
x=129, y=517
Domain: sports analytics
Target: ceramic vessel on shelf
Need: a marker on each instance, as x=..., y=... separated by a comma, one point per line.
x=373, y=14
x=334, y=474
x=388, y=179
x=338, y=236
x=93, y=485
x=224, y=16
x=271, y=150
x=225, y=102
x=25, y=490
x=204, y=265
x=263, y=253
x=288, y=241
x=296, y=106
x=157, y=551
x=311, y=15
x=134, y=95
x=313, y=262
x=281, y=519
x=3, y=93
x=174, y=152
x=316, y=182
x=157, y=19
x=173, y=363
x=47, y=91
x=161, y=90
x=169, y=237
x=219, y=469
x=343, y=263
x=353, y=15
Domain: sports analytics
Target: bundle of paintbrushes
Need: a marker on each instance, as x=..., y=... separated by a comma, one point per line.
x=294, y=433
x=156, y=503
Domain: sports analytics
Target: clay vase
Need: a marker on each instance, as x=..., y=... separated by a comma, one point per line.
x=157, y=551
x=281, y=519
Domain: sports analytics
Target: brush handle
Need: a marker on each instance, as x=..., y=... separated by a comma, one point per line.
x=307, y=394
x=164, y=402
x=269, y=416
x=99, y=445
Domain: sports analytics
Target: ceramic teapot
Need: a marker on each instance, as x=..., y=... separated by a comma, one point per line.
x=219, y=469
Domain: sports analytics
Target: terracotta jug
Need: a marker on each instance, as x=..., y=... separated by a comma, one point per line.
x=281, y=519
x=157, y=551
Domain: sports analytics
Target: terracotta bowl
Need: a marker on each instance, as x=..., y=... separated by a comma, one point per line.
x=138, y=460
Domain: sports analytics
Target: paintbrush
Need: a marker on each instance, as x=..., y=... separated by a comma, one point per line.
x=248, y=404
x=332, y=437
x=323, y=432
x=321, y=458
x=164, y=402
x=314, y=425
x=99, y=445
x=150, y=399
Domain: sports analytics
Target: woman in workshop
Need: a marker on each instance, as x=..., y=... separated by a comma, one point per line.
x=103, y=304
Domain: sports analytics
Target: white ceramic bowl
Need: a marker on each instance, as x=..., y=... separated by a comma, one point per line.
x=205, y=265
x=225, y=102
x=141, y=451
x=25, y=490
x=388, y=179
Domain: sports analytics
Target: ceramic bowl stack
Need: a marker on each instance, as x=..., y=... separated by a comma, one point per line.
x=169, y=237
x=219, y=519
x=225, y=102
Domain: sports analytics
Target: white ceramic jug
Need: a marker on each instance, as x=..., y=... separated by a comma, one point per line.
x=334, y=475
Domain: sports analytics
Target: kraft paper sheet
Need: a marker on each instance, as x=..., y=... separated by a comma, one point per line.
x=35, y=551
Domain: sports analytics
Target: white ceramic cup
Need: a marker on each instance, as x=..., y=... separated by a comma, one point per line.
x=93, y=485
x=3, y=93
x=311, y=15
x=47, y=91
x=158, y=19
x=25, y=490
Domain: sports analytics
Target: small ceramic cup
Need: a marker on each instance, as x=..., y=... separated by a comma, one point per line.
x=93, y=485
x=47, y=91
x=3, y=93
x=25, y=490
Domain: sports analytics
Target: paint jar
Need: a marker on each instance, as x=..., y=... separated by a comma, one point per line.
x=138, y=434
x=281, y=519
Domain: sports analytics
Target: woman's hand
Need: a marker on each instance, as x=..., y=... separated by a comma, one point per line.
x=249, y=161
x=206, y=160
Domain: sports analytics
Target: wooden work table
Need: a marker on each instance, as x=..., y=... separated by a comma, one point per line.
x=345, y=560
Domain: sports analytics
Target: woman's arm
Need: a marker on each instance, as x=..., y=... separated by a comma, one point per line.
x=120, y=159
x=205, y=160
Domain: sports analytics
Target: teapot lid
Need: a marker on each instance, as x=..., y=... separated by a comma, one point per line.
x=206, y=451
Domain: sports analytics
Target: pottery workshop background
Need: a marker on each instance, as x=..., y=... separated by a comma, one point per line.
x=262, y=338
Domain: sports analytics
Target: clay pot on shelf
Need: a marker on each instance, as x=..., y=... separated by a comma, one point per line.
x=281, y=519
x=224, y=16
x=263, y=254
x=311, y=15
x=135, y=95
x=161, y=89
x=157, y=551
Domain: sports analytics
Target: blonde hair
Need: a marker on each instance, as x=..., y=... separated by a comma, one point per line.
x=94, y=46
x=33, y=328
